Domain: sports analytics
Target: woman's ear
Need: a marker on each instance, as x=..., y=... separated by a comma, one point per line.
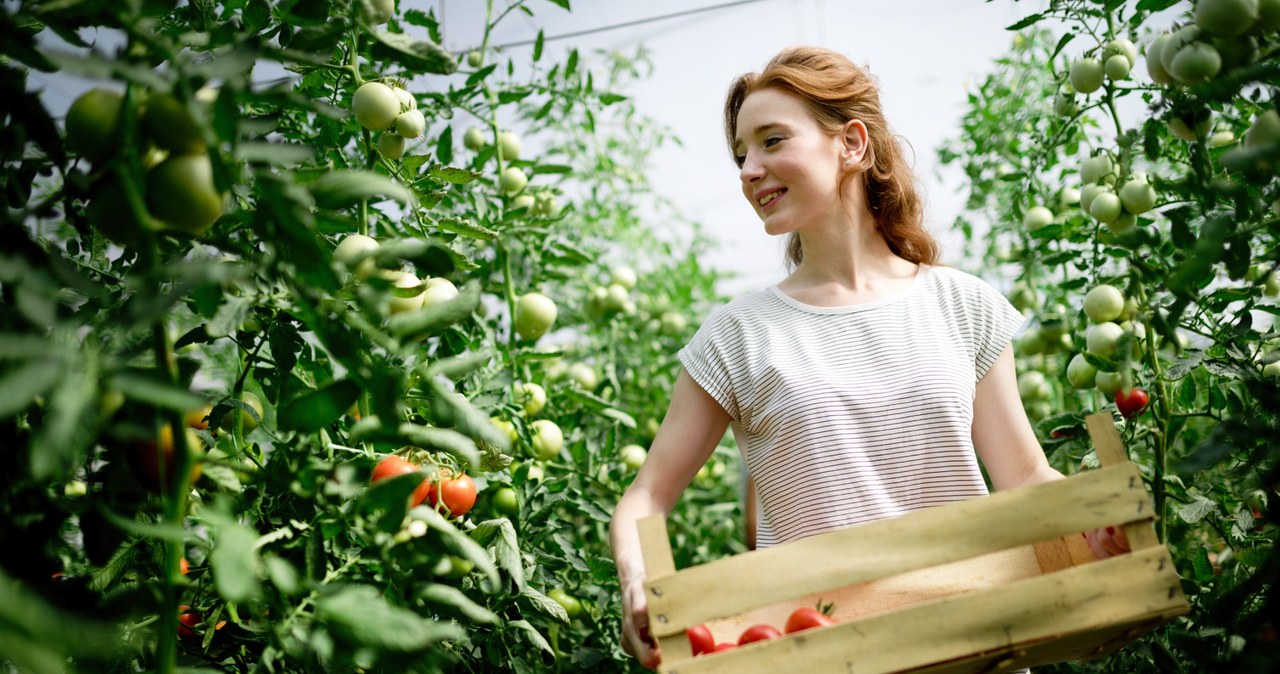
x=855, y=140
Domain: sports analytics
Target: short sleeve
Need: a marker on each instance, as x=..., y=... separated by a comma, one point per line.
x=995, y=322
x=709, y=356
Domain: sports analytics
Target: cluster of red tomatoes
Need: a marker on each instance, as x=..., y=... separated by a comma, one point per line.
x=456, y=491
x=702, y=641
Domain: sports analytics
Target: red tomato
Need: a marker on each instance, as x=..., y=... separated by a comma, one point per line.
x=184, y=566
x=701, y=639
x=805, y=618
x=394, y=466
x=724, y=647
x=758, y=633
x=458, y=493
x=186, y=620
x=1131, y=403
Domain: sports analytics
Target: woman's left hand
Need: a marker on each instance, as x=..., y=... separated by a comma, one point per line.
x=1106, y=543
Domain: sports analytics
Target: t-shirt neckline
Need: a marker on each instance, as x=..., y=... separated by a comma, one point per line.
x=850, y=308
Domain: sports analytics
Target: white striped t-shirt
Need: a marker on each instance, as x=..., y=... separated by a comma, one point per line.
x=847, y=415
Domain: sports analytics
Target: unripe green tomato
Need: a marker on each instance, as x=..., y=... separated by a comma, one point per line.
x=1138, y=332
x=1022, y=296
x=505, y=502
x=171, y=126
x=1271, y=369
x=1122, y=46
x=406, y=291
x=512, y=180
x=247, y=420
x=1195, y=63
x=375, y=106
x=1087, y=195
x=1179, y=39
x=547, y=439
x=1031, y=343
x=1101, y=338
x=530, y=396
x=1221, y=139
x=410, y=124
x=391, y=145
x=584, y=375
x=651, y=427
x=571, y=606
x=1086, y=75
x=1108, y=383
x=1105, y=207
x=673, y=323
x=616, y=297
x=1226, y=18
x=535, y=314
x=407, y=101
x=473, y=139
x=525, y=201
x=633, y=456
x=1080, y=373
x=93, y=124
x=1096, y=168
x=1103, y=303
x=181, y=193
x=1069, y=196
x=1236, y=51
x=1155, y=69
x=506, y=427
x=1264, y=132
x=378, y=12
x=439, y=290
x=1268, y=17
x=355, y=252
x=1271, y=287
x=1064, y=104
x=1137, y=196
x=545, y=206
x=624, y=276
x=1037, y=217
x=475, y=59
x=1117, y=67
x=509, y=142
x=109, y=212
x=1123, y=224
x=1032, y=385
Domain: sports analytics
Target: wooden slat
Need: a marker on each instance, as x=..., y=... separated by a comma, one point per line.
x=1111, y=451
x=885, y=548
x=1128, y=590
x=658, y=561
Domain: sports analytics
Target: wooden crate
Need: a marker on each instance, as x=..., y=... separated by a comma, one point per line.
x=986, y=585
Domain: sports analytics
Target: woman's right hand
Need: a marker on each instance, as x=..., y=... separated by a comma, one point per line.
x=636, y=639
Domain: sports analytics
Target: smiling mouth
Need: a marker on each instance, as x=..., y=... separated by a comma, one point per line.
x=771, y=197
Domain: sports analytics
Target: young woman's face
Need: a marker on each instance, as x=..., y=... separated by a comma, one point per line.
x=790, y=167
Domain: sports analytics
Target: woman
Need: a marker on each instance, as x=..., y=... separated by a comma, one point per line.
x=869, y=375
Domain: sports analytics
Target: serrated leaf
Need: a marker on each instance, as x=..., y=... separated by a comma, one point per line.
x=314, y=410
x=570, y=551
x=460, y=366
x=423, y=56
x=466, y=228
x=440, y=439
x=1196, y=510
x=506, y=548
x=465, y=417
x=452, y=597
x=1190, y=360
x=1028, y=21
x=235, y=562
x=529, y=631
x=453, y=175
x=342, y=188
x=362, y=615
x=543, y=604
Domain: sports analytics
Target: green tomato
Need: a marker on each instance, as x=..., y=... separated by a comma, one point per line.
x=1109, y=383
x=407, y=101
x=535, y=314
x=1080, y=373
x=1096, y=168
x=438, y=291
x=475, y=59
x=172, y=127
x=525, y=201
x=506, y=427
x=1226, y=18
x=248, y=421
x=410, y=124
x=1155, y=69
x=530, y=396
x=1179, y=39
x=356, y=252
x=1117, y=67
x=1104, y=303
x=1037, y=217
x=1032, y=385
x=1271, y=285
x=1023, y=296
x=93, y=124
x=505, y=502
x=673, y=323
x=571, y=606
x=375, y=106
x=1272, y=369
x=474, y=139
x=391, y=145
x=181, y=193
x=1121, y=46
x=1264, y=132
x=584, y=375
x=1101, y=339
x=1137, y=196
x=509, y=143
x=378, y=11
x=1086, y=75
x=407, y=291
x=1105, y=207
x=633, y=456
x=512, y=180
x=547, y=439
x=1195, y=63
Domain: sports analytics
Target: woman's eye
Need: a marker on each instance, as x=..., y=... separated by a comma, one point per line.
x=771, y=141
x=740, y=159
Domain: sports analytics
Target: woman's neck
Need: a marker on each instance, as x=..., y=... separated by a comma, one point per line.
x=849, y=255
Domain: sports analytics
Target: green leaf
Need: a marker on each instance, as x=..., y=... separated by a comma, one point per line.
x=283, y=574
x=148, y=387
x=448, y=404
x=342, y=188
x=453, y=175
x=1196, y=510
x=1190, y=360
x=458, y=542
x=543, y=604
x=141, y=529
x=361, y=615
x=19, y=387
x=609, y=98
x=18, y=346
x=529, y=631
x=1061, y=43
x=67, y=433
x=506, y=548
x=537, y=47
x=423, y=56
x=314, y=410
x=440, y=439
x=460, y=366
x=551, y=169
x=444, y=147
x=1028, y=21
x=451, y=597
x=436, y=318
x=466, y=228
x=235, y=562
x=273, y=153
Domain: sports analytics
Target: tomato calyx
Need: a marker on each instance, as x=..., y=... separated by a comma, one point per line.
x=806, y=617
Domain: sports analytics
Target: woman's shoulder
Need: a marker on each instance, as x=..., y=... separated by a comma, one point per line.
x=950, y=280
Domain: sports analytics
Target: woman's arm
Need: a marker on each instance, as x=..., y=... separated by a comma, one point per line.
x=692, y=428
x=1002, y=434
